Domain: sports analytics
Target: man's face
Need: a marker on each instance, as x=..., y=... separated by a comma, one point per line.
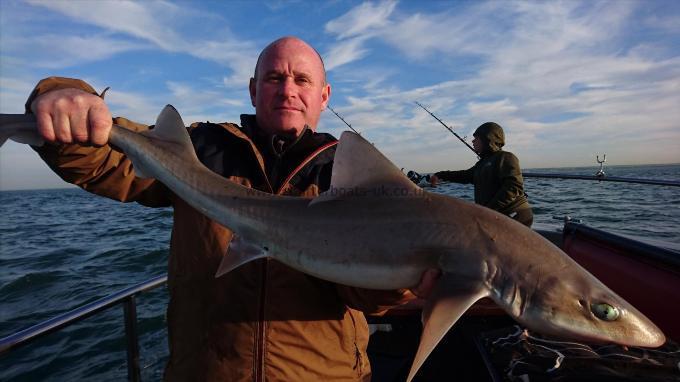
x=290, y=90
x=477, y=144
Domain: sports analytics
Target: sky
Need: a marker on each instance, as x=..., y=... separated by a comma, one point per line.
x=567, y=80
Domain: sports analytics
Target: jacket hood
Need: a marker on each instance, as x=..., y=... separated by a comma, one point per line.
x=492, y=134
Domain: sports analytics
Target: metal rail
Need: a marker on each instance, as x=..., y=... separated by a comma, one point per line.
x=658, y=182
x=125, y=297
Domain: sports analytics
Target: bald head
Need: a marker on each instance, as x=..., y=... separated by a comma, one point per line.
x=288, y=40
x=289, y=88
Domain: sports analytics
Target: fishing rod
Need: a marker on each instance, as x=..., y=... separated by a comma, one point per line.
x=342, y=119
x=448, y=128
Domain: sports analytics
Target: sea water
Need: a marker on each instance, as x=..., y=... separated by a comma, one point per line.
x=60, y=249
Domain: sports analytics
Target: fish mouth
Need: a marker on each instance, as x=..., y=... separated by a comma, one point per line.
x=650, y=339
x=641, y=336
x=632, y=330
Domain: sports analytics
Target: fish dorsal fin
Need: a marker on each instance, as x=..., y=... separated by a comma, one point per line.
x=170, y=133
x=170, y=128
x=360, y=170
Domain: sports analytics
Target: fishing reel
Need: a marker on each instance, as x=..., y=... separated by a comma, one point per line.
x=413, y=176
x=417, y=178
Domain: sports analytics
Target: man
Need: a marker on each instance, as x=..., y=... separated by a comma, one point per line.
x=496, y=176
x=264, y=320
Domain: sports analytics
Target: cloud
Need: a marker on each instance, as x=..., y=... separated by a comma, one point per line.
x=492, y=110
x=134, y=106
x=13, y=94
x=353, y=29
x=240, y=56
x=59, y=51
x=560, y=76
x=415, y=35
x=161, y=24
x=203, y=103
x=151, y=21
x=361, y=19
x=669, y=23
x=344, y=52
x=419, y=36
x=277, y=5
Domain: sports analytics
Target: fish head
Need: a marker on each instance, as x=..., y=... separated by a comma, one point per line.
x=574, y=304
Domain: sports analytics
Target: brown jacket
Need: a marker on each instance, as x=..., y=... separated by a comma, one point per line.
x=263, y=321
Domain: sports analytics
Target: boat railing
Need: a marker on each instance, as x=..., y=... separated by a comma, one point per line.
x=603, y=178
x=599, y=177
x=126, y=297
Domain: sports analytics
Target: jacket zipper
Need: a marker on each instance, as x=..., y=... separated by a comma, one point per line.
x=358, y=359
x=261, y=324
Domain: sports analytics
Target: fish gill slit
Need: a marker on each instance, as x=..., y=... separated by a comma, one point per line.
x=524, y=300
x=490, y=274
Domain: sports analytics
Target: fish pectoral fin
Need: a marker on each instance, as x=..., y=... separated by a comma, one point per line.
x=239, y=253
x=449, y=300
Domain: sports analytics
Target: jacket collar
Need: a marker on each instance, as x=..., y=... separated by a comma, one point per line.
x=276, y=144
x=277, y=153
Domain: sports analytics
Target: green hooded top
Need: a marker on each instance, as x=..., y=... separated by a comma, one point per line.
x=497, y=176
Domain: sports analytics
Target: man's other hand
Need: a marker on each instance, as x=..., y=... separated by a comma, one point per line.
x=427, y=282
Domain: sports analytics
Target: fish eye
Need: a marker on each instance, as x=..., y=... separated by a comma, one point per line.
x=605, y=312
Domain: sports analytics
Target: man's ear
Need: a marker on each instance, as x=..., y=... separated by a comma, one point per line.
x=325, y=96
x=252, y=88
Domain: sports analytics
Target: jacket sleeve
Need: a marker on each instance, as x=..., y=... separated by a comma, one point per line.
x=462, y=176
x=374, y=302
x=105, y=170
x=512, y=184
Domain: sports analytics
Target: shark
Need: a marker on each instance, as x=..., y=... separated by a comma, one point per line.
x=376, y=229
